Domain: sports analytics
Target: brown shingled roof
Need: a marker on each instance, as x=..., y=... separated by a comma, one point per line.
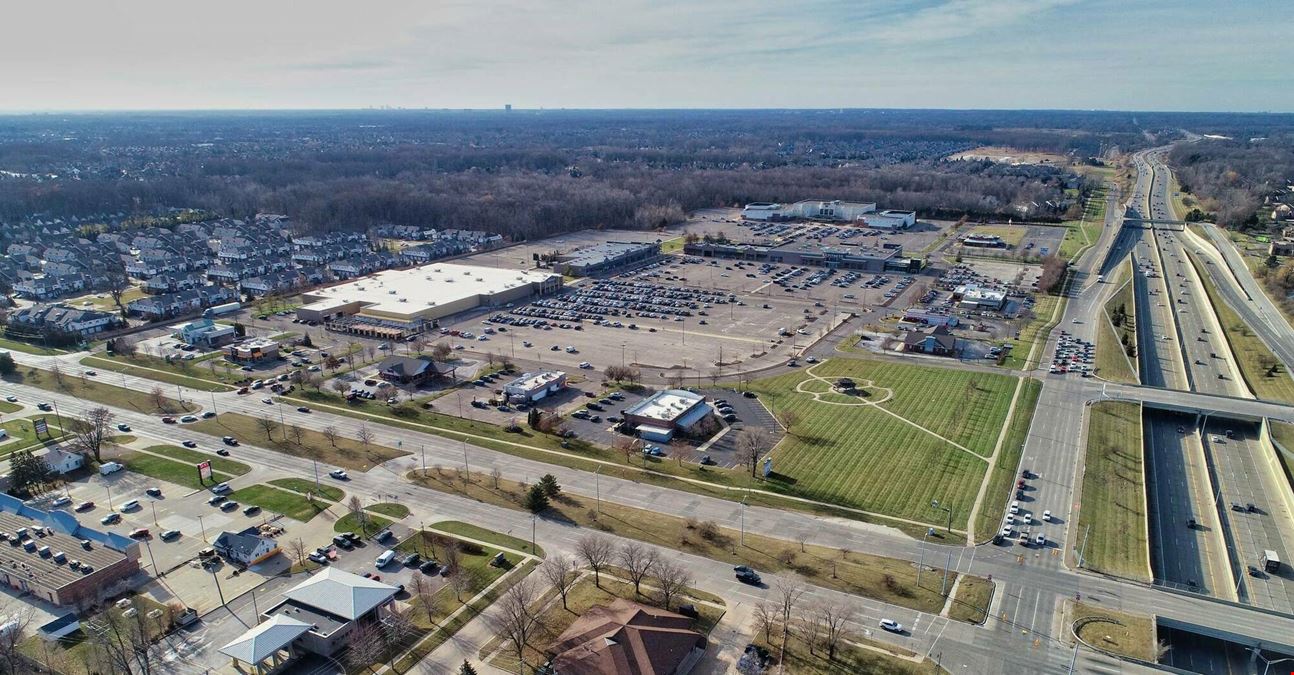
x=625, y=638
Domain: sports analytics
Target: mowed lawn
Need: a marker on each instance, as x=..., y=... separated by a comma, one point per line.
x=964, y=406
x=293, y=505
x=1114, y=492
x=1112, y=361
x=861, y=457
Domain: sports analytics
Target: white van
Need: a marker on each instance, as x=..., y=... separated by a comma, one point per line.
x=110, y=467
x=385, y=559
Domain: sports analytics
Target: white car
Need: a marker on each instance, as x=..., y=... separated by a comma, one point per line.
x=338, y=474
x=267, y=401
x=585, y=365
x=891, y=625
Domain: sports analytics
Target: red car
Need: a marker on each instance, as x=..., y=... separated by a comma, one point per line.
x=85, y=506
x=1020, y=483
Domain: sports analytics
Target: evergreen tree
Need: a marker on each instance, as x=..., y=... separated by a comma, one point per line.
x=26, y=470
x=532, y=418
x=7, y=366
x=536, y=500
x=548, y=483
x=466, y=669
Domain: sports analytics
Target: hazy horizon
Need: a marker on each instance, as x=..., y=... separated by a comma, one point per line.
x=1102, y=55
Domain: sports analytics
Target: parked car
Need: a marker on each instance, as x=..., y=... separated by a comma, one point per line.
x=168, y=535
x=130, y=505
x=111, y=519
x=84, y=506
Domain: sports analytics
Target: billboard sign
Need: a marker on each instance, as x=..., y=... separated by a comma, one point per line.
x=41, y=427
x=768, y=466
x=204, y=470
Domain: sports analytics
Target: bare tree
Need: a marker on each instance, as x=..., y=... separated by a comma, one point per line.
x=751, y=442
x=340, y=386
x=638, y=560
x=596, y=551
x=365, y=645
x=364, y=435
x=330, y=432
x=834, y=618
x=788, y=420
x=787, y=593
x=460, y=581
x=451, y=556
x=671, y=580
x=267, y=425
x=117, y=282
x=298, y=549
x=124, y=346
x=559, y=572
x=513, y=618
x=422, y=589
x=57, y=371
x=298, y=434
x=356, y=507
x=765, y=621
x=495, y=475
x=124, y=638
x=12, y=660
x=397, y=628
x=159, y=400
x=92, y=429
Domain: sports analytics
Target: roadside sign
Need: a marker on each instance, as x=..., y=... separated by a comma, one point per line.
x=768, y=466
x=204, y=470
x=41, y=427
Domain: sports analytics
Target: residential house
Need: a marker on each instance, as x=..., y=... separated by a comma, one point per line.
x=408, y=370
x=627, y=638
x=63, y=319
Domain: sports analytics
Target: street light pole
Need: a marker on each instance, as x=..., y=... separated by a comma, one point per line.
x=743, y=519
x=597, y=487
x=922, y=561
x=934, y=504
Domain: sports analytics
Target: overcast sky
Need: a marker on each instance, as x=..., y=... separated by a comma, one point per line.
x=1111, y=54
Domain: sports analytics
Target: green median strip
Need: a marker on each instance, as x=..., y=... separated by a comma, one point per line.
x=1112, y=525
x=293, y=505
x=157, y=370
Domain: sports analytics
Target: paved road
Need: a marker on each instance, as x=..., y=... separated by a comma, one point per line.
x=1178, y=490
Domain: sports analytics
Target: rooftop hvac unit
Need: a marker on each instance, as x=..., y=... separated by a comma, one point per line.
x=29, y=546
x=404, y=299
x=60, y=557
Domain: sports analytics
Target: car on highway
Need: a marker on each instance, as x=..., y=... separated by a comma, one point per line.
x=267, y=401
x=44, y=406
x=748, y=576
x=189, y=443
x=11, y=398
x=229, y=440
x=302, y=409
x=168, y=420
x=123, y=427
x=339, y=474
x=188, y=419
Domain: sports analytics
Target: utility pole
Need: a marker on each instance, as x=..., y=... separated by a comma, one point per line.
x=597, y=487
x=213, y=402
x=1083, y=548
x=943, y=589
x=922, y=561
x=467, y=470
x=424, y=459
x=743, y=519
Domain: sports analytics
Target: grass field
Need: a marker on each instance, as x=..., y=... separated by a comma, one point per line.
x=1044, y=306
x=390, y=510
x=168, y=470
x=1011, y=234
x=88, y=388
x=1267, y=377
x=1114, y=498
x=293, y=505
x=304, y=486
x=1003, y=476
x=971, y=602
x=221, y=464
x=469, y=531
x=1134, y=638
x=346, y=452
x=350, y=522
x=885, y=579
x=1081, y=233
x=22, y=434
x=156, y=369
x=850, y=455
x=27, y=347
x=1112, y=362
x=7, y=407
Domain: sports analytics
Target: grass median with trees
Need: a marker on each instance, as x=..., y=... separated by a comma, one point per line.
x=1116, y=345
x=332, y=448
x=291, y=504
x=1112, y=523
x=885, y=579
x=152, y=402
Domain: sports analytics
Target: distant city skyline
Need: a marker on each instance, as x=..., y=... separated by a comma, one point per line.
x=1040, y=54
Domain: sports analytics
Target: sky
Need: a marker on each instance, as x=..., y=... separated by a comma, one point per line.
x=237, y=54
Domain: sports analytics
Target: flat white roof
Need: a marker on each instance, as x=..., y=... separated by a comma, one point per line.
x=532, y=381
x=666, y=405
x=417, y=289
